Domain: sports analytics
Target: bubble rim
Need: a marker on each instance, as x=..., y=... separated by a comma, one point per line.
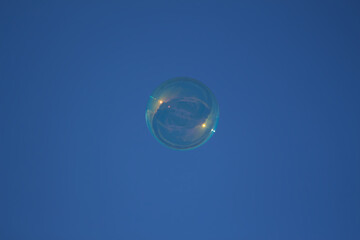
x=148, y=118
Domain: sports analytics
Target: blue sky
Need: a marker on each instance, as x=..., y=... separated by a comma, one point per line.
x=78, y=162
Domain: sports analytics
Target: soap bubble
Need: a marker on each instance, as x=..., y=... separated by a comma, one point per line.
x=182, y=113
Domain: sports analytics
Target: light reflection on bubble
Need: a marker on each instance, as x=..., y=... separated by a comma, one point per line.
x=182, y=113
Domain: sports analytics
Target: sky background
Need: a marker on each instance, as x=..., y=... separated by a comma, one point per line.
x=78, y=162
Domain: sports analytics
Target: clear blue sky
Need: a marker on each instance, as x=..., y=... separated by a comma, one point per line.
x=78, y=162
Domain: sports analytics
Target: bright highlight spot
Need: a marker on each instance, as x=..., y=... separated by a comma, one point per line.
x=204, y=125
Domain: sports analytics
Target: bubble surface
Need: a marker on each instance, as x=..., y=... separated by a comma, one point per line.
x=182, y=113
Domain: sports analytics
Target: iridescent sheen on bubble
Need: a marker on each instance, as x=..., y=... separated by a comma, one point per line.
x=182, y=113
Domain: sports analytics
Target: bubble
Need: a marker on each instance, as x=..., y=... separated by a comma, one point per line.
x=182, y=113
